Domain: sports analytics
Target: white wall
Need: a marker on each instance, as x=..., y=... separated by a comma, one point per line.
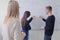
x=37, y=8
x=3, y=7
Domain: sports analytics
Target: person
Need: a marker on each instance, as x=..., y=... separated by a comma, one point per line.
x=26, y=24
x=11, y=29
x=50, y=22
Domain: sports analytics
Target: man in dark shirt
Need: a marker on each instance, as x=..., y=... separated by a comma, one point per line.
x=50, y=21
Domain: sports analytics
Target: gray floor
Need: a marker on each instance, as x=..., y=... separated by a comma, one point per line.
x=39, y=35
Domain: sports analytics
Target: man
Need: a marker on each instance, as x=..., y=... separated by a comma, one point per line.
x=50, y=21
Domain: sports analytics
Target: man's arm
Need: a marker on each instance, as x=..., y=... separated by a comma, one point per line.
x=44, y=20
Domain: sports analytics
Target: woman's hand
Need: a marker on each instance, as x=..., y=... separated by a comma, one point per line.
x=23, y=35
x=33, y=17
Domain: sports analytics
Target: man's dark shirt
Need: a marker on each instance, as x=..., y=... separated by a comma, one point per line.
x=49, y=28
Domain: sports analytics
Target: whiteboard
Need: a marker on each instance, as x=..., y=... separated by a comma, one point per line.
x=37, y=8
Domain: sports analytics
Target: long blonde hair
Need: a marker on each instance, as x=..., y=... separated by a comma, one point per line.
x=12, y=11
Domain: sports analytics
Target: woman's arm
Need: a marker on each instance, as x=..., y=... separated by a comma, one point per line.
x=30, y=19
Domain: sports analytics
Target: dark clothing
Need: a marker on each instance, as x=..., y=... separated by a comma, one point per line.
x=49, y=28
x=27, y=36
x=46, y=37
x=26, y=28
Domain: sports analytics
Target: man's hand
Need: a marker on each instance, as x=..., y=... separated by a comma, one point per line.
x=42, y=27
x=41, y=17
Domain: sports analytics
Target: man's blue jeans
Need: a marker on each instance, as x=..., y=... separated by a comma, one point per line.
x=46, y=37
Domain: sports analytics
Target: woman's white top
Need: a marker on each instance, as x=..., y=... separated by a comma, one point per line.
x=12, y=30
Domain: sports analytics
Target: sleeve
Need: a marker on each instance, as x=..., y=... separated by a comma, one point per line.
x=44, y=20
x=17, y=31
x=30, y=19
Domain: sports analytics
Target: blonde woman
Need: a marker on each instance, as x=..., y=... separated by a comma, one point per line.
x=11, y=29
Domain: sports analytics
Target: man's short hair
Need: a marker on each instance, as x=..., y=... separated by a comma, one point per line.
x=49, y=7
